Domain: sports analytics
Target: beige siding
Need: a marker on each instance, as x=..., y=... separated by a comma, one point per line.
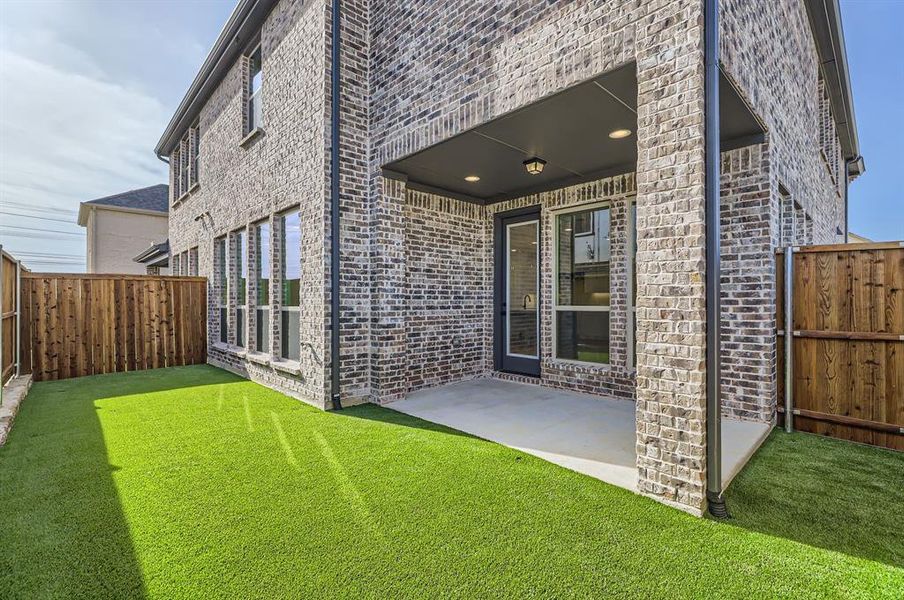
x=116, y=237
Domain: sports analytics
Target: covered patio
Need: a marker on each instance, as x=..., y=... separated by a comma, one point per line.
x=590, y=434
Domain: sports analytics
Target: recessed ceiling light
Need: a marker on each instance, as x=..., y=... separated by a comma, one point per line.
x=472, y=178
x=620, y=133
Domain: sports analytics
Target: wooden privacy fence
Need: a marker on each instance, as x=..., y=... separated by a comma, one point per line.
x=847, y=340
x=9, y=315
x=75, y=325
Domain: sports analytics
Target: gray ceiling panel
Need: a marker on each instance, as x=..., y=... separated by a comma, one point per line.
x=570, y=130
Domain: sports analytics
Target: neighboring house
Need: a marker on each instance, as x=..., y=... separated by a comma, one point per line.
x=154, y=258
x=853, y=238
x=123, y=225
x=521, y=196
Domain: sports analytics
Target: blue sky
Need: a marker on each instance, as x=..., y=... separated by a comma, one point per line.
x=88, y=87
x=872, y=30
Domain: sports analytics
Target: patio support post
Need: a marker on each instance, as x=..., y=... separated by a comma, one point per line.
x=671, y=407
x=789, y=338
x=715, y=501
x=335, y=231
x=388, y=350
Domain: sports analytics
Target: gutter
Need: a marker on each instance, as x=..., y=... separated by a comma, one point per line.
x=335, y=388
x=715, y=501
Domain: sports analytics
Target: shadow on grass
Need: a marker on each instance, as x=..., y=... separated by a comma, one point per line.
x=826, y=493
x=64, y=530
x=382, y=414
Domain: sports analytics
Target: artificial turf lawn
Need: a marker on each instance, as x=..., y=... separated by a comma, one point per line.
x=191, y=482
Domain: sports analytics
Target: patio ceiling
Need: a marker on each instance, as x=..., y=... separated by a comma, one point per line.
x=570, y=130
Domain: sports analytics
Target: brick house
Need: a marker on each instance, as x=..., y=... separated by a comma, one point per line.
x=521, y=194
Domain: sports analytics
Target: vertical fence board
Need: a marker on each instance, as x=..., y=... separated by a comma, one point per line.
x=89, y=324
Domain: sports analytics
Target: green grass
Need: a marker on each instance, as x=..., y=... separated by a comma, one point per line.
x=192, y=483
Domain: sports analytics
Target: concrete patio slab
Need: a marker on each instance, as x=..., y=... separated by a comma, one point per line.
x=593, y=435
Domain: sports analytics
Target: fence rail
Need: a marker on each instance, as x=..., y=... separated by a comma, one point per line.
x=847, y=339
x=75, y=325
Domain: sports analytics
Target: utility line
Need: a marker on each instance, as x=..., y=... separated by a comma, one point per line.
x=13, y=214
x=41, y=230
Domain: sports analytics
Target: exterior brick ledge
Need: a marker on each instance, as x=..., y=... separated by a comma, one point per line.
x=292, y=367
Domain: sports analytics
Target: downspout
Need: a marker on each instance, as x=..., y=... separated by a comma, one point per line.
x=714, y=499
x=334, y=210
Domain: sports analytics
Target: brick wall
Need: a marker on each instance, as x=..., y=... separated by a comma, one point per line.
x=284, y=167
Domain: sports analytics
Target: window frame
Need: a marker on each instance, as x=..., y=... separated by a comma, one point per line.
x=241, y=304
x=556, y=307
x=283, y=308
x=268, y=347
x=221, y=271
x=253, y=97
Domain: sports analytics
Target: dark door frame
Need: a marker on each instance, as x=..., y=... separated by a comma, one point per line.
x=529, y=367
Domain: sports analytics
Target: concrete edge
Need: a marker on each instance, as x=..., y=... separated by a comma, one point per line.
x=14, y=392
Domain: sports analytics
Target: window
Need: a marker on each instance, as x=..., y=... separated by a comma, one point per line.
x=262, y=302
x=194, y=147
x=290, y=253
x=255, y=78
x=582, y=295
x=184, y=163
x=193, y=262
x=222, y=281
x=175, y=161
x=241, y=291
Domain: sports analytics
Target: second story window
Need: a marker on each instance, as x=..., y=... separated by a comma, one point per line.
x=184, y=163
x=254, y=90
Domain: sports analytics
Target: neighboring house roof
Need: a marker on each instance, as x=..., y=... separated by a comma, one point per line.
x=157, y=255
x=853, y=238
x=243, y=26
x=153, y=199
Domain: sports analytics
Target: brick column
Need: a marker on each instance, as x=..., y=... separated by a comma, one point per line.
x=620, y=286
x=276, y=281
x=750, y=230
x=671, y=311
x=251, y=287
x=232, y=268
x=388, y=362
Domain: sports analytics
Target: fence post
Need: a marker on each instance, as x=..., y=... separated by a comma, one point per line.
x=18, y=335
x=789, y=338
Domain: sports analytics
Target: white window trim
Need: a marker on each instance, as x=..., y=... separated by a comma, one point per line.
x=557, y=308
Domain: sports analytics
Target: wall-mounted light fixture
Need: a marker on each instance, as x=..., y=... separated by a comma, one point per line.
x=534, y=165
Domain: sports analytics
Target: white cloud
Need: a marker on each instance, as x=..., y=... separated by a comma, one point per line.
x=67, y=137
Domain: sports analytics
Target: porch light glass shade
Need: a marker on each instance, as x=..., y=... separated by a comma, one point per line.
x=619, y=134
x=534, y=165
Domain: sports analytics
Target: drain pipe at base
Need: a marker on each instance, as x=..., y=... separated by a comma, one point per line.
x=334, y=212
x=714, y=499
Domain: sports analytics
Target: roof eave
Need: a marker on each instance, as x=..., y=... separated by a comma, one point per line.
x=828, y=34
x=243, y=25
